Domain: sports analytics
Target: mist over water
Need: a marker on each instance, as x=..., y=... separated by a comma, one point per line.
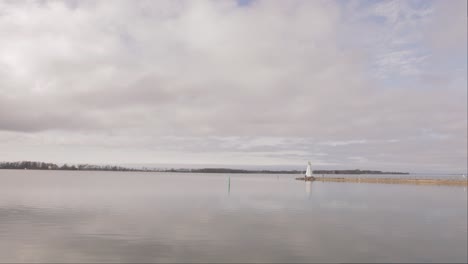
x=75, y=216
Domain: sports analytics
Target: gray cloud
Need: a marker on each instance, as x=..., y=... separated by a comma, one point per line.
x=211, y=77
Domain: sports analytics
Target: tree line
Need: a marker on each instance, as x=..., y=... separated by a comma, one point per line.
x=37, y=165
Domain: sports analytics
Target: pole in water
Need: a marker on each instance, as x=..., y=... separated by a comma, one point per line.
x=229, y=185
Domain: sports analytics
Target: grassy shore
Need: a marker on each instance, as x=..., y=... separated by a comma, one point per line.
x=388, y=180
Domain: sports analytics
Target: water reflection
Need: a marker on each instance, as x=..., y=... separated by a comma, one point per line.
x=131, y=217
x=307, y=187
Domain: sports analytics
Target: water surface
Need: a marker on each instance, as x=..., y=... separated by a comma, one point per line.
x=73, y=216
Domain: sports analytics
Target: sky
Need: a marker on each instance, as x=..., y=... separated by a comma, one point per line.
x=344, y=84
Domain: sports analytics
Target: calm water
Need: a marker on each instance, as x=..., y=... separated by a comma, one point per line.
x=53, y=216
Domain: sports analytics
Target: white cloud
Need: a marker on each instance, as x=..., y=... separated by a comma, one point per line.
x=343, y=143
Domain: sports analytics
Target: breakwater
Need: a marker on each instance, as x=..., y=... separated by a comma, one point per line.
x=387, y=180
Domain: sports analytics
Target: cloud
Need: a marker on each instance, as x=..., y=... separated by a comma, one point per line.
x=343, y=143
x=210, y=74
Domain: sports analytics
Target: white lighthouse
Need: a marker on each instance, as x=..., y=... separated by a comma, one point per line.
x=309, y=170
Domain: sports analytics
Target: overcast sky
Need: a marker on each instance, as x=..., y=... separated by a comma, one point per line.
x=346, y=84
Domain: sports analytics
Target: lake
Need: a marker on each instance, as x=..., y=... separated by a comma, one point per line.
x=76, y=216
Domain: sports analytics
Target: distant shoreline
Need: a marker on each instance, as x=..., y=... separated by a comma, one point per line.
x=37, y=165
x=225, y=170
